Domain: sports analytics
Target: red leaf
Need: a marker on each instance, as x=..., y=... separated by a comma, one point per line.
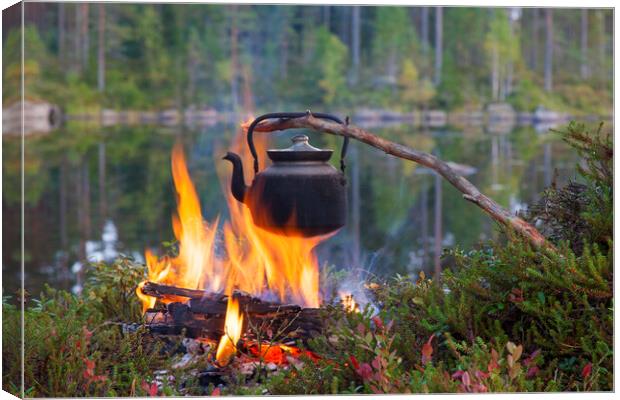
x=87, y=334
x=378, y=323
x=531, y=357
x=153, y=390
x=493, y=363
x=375, y=389
x=587, y=370
x=216, y=392
x=516, y=296
x=531, y=372
x=479, y=388
x=427, y=350
x=481, y=375
x=457, y=375
x=465, y=379
x=354, y=362
x=150, y=389
x=90, y=364
x=365, y=371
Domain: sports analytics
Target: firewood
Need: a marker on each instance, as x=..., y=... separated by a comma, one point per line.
x=204, y=302
x=203, y=314
x=160, y=291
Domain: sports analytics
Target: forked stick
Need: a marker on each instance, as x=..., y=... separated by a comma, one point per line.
x=470, y=192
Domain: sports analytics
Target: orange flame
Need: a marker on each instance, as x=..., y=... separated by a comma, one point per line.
x=232, y=332
x=196, y=266
x=348, y=303
x=257, y=261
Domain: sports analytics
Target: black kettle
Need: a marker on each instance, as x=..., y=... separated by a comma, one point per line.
x=300, y=194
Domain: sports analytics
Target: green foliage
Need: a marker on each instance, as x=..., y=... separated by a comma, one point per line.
x=414, y=91
x=331, y=55
x=581, y=213
x=111, y=288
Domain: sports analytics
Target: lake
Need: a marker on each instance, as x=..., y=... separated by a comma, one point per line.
x=94, y=193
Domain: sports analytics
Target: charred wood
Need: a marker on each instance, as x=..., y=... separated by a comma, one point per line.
x=202, y=315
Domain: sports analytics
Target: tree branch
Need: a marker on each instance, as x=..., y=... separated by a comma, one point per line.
x=470, y=192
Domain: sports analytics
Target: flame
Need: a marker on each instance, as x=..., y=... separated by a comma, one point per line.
x=348, y=303
x=283, y=262
x=232, y=332
x=259, y=262
x=195, y=267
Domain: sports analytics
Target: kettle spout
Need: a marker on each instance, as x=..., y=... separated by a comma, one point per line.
x=237, y=184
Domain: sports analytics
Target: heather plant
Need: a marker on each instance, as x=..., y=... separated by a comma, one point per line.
x=111, y=288
x=76, y=345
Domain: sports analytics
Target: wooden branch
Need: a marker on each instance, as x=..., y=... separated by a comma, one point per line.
x=470, y=192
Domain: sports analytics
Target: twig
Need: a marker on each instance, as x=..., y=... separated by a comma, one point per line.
x=470, y=192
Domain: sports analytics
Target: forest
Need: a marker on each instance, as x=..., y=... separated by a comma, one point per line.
x=136, y=56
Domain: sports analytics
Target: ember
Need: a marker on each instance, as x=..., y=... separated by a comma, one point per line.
x=278, y=353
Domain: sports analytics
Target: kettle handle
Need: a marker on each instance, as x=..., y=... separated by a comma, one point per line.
x=288, y=115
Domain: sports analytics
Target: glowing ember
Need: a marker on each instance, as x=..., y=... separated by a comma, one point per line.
x=232, y=332
x=278, y=353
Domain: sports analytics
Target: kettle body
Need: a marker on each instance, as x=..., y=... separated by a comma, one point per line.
x=300, y=194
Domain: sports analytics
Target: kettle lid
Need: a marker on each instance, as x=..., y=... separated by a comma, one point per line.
x=301, y=150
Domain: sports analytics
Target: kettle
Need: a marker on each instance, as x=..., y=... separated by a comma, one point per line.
x=300, y=194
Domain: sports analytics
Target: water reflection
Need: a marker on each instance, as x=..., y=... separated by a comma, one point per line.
x=92, y=194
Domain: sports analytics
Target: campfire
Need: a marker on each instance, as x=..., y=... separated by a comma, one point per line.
x=241, y=289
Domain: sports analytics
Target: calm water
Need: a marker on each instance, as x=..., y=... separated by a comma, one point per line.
x=94, y=193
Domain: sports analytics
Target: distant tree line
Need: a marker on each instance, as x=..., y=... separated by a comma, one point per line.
x=238, y=56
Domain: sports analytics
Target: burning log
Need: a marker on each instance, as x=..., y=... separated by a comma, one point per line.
x=202, y=314
x=160, y=291
x=207, y=303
